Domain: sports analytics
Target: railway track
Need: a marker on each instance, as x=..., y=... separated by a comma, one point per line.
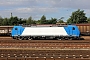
x=44, y=58
x=74, y=54
x=44, y=49
x=44, y=41
x=45, y=46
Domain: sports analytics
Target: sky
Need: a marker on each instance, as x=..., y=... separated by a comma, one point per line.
x=37, y=8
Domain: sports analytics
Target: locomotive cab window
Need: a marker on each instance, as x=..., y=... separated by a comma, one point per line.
x=16, y=28
x=73, y=28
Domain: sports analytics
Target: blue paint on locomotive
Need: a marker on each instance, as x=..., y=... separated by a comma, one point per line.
x=72, y=30
x=17, y=30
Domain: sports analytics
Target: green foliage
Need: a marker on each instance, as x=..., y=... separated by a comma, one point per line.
x=14, y=21
x=38, y=22
x=23, y=21
x=88, y=20
x=77, y=17
x=43, y=20
x=29, y=21
x=5, y=21
x=69, y=21
x=1, y=19
x=53, y=20
x=61, y=21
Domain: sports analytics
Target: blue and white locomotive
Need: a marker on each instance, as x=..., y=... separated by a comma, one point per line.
x=68, y=32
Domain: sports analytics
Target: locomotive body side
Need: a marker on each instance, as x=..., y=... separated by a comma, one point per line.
x=44, y=31
x=62, y=32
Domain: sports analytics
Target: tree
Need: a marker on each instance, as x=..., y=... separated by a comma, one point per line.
x=38, y=22
x=29, y=21
x=88, y=20
x=33, y=22
x=20, y=21
x=5, y=21
x=14, y=21
x=43, y=20
x=53, y=21
x=69, y=21
x=24, y=21
x=61, y=20
x=1, y=19
x=77, y=17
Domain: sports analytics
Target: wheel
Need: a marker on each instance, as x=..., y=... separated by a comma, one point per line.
x=59, y=38
x=16, y=38
x=70, y=38
x=78, y=38
x=66, y=39
x=20, y=38
x=29, y=38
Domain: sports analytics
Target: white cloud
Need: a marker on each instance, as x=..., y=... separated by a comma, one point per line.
x=84, y=4
x=17, y=3
x=26, y=12
x=36, y=8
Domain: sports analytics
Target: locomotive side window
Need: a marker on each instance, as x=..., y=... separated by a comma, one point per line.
x=16, y=28
x=73, y=28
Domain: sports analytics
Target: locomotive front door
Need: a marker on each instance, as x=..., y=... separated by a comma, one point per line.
x=72, y=31
x=17, y=31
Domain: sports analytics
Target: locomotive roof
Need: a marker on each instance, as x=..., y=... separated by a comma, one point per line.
x=48, y=26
